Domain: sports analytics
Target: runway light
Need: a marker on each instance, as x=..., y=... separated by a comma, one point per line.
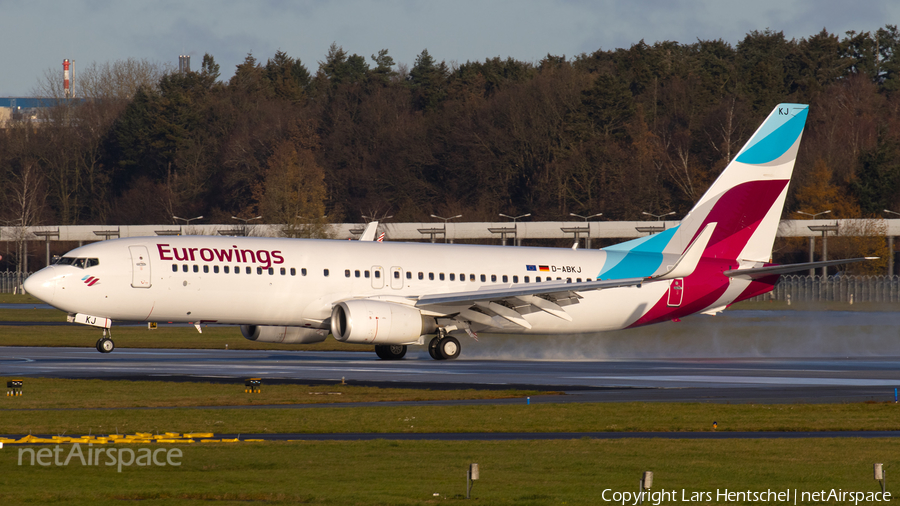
x=14, y=387
x=252, y=385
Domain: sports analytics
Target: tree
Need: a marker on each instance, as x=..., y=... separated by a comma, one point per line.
x=293, y=192
x=428, y=80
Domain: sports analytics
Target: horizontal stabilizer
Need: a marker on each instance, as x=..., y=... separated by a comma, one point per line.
x=761, y=272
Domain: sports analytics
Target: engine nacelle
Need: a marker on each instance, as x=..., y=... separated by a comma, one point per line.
x=366, y=321
x=285, y=335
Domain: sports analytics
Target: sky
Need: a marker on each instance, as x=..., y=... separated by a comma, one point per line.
x=37, y=35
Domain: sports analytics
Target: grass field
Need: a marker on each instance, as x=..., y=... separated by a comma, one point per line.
x=570, y=472
x=57, y=406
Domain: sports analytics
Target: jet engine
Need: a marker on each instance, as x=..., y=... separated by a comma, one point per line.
x=286, y=335
x=366, y=321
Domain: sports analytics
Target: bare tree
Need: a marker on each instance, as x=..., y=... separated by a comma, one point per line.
x=117, y=80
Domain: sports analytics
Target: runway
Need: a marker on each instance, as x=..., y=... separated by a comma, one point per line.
x=705, y=380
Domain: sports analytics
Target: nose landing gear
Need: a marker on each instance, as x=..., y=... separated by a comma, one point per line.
x=105, y=344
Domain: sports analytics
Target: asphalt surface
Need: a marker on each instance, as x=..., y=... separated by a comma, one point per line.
x=705, y=380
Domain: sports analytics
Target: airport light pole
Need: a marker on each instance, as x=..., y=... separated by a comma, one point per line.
x=890, y=240
x=515, y=225
x=187, y=221
x=812, y=239
x=658, y=216
x=445, y=224
x=587, y=239
x=245, y=229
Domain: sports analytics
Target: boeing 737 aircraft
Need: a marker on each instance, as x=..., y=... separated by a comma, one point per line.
x=392, y=295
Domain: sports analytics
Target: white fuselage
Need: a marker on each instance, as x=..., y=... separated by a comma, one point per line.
x=296, y=282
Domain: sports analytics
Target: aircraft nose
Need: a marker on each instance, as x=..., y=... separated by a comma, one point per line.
x=41, y=284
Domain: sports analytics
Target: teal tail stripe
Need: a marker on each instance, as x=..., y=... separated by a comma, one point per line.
x=637, y=258
x=776, y=143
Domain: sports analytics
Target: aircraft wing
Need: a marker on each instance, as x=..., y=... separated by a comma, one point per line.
x=511, y=302
x=760, y=272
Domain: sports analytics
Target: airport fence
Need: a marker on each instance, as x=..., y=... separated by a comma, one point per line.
x=835, y=289
x=11, y=282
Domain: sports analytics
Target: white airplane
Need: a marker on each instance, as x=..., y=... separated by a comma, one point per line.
x=392, y=295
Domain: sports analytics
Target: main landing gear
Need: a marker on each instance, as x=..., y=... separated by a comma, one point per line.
x=105, y=344
x=390, y=351
x=444, y=347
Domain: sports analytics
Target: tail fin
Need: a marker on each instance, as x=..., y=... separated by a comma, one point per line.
x=745, y=203
x=747, y=199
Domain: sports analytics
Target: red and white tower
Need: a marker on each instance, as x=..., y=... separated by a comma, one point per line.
x=66, y=78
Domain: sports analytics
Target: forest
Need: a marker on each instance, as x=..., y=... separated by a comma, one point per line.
x=618, y=132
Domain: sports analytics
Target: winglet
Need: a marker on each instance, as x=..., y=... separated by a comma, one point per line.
x=369, y=233
x=685, y=265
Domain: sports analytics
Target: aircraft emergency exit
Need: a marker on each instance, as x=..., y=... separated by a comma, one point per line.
x=392, y=295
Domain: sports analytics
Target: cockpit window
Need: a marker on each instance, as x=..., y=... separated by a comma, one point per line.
x=81, y=263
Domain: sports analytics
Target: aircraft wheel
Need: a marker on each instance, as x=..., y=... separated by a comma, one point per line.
x=97, y=345
x=390, y=351
x=106, y=345
x=449, y=348
x=433, y=348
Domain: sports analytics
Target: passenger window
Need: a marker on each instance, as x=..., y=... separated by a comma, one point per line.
x=505, y=278
x=259, y=271
x=237, y=270
x=378, y=274
x=248, y=270
x=367, y=274
x=271, y=271
x=515, y=279
x=356, y=273
x=483, y=278
x=493, y=278
x=196, y=268
x=441, y=276
x=527, y=279
x=408, y=275
x=325, y=272
x=452, y=277
x=283, y=271
x=293, y=271
x=303, y=271
x=174, y=267
x=396, y=274
x=537, y=279
x=431, y=276
x=421, y=276
x=215, y=269
x=346, y=273
x=578, y=280
x=471, y=277
x=206, y=269
x=225, y=269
